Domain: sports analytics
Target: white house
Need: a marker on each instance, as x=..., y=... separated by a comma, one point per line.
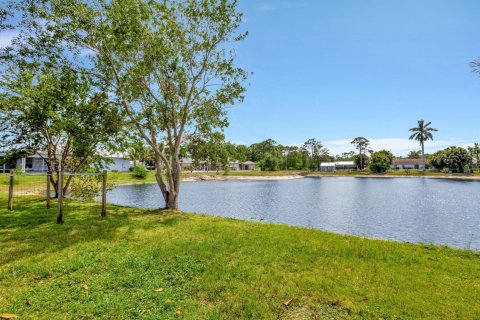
x=37, y=163
x=403, y=164
x=338, y=165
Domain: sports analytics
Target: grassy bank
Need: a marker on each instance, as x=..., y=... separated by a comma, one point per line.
x=151, y=265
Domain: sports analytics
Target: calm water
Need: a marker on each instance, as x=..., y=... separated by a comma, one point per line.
x=414, y=210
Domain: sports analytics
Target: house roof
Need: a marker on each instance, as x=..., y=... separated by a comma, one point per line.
x=338, y=163
x=407, y=161
x=248, y=162
x=327, y=164
x=345, y=163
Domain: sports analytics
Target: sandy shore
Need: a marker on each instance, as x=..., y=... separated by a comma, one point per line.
x=471, y=178
x=225, y=178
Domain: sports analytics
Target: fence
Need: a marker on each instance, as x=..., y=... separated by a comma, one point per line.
x=60, y=194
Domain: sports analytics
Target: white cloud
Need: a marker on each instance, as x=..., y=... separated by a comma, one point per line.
x=398, y=146
x=6, y=38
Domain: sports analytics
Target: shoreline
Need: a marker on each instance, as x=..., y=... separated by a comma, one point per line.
x=391, y=176
x=293, y=176
x=246, y=177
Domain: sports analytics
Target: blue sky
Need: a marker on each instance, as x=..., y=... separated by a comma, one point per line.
x=335, y=70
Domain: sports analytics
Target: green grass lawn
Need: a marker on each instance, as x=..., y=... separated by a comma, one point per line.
x=143, y=264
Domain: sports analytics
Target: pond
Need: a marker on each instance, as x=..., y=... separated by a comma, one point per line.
x=420, y=210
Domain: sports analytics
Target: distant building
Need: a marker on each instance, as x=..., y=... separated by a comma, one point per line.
x=37, y=163
x=188, y=164
x=248, y=166
x=339, y=165
x=405, y=164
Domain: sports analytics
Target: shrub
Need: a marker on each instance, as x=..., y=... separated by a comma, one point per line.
x=380, y=161
x=454, y=159
x=85, y=187
x=17, y=171
x=445, y=170
x=140, y=172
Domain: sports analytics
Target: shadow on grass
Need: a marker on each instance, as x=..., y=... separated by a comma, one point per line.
x=31, y=229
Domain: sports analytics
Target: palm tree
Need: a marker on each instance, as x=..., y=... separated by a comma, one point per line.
x=422, y=133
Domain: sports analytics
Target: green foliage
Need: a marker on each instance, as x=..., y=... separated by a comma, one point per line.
x=361, y=160
x=380, y=161
x=138, y=152
x=270, y=162
x=454, y=159
x=422, y=133
x=140, y=172
x=361, y=144
x=55, y=110
x=317, y=153
x=171, y=65
x=475, y=154
x=17, y=171
x=85, y=187
x=414, y=155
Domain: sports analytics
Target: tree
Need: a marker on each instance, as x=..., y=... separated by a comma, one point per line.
x=455, y=159
x=475, y=154
x=361, y=160
x=317, y=152
x=270, y=162
x=170, y=65
x=55, y=112
x=475, y=65
x=422, y=133
x=414, y=155
x=380, y=161
x=139, y=152
x=212, y=151
x=361, y=144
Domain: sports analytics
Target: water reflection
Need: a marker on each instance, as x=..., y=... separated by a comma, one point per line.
x=413, y=210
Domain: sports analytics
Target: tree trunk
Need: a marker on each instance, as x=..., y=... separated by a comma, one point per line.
x=169, y=188
x=423, y=154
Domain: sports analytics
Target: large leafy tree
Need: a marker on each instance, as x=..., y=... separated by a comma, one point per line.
x=169, y=64
x=421, y=133
x=53, y=111
x=380, y=161
x=361, y=144
x=455, y=159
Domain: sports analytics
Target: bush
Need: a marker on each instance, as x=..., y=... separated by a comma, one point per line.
x=380, y=161
x=455, y=159
x=140, y=172
x=85, y=187
x=17, y=171
x=445, y=170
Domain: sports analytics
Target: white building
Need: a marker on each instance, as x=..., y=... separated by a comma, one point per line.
x=37, y=163
x=339, y=165
x=408, y=164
